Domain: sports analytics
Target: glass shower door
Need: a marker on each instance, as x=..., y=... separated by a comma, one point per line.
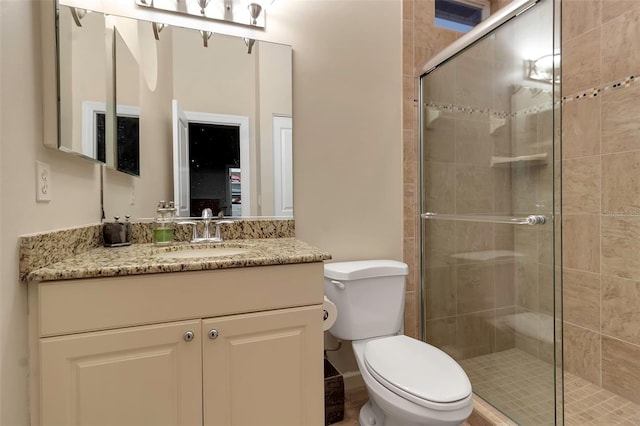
x=489, y=141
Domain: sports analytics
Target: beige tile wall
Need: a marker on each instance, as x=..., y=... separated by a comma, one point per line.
x=421, y=40
x=470, y=306
x=601, y=189
x=601, y=194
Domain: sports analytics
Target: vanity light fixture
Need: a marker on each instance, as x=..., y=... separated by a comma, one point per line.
x=157, y=28
x=243, y=12
x=206, y=35
x=249, y=42
x=254, y=11
x=203, y=5
x=78, y=14
x=541, y=69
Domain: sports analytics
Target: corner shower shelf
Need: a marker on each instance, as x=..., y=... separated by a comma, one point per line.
x=496, y=123
x=432, y=114
x=534, y=159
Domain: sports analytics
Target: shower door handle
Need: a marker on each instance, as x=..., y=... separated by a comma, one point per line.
x=534, y=219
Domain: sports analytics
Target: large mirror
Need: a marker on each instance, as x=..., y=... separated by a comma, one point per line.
x=206, y=126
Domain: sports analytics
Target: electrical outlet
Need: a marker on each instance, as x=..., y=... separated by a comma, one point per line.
x=43, y=182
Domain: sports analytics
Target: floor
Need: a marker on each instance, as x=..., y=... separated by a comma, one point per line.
x=523, y=386
x=353, y=400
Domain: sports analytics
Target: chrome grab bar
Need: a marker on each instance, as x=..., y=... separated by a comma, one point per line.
x=533, y=219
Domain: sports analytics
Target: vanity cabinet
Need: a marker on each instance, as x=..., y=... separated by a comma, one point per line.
x=239, y=346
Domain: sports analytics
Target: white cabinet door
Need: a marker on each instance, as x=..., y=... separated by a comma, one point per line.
x=148, y=375
x=264, y=368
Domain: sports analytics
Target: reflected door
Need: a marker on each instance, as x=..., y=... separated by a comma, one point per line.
x=283, y=165
x=180, y=160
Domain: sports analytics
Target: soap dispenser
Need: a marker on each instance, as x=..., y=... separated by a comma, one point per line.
x=163, y=227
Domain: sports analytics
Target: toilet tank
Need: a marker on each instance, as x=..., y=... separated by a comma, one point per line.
x=369, y=297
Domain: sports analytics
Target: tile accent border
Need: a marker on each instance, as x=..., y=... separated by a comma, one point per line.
x=597, y=91
x=45, y=248
x=489, y=112
x=585, y=94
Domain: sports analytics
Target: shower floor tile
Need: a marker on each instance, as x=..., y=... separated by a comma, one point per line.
x=522, y=386
x=588, y=404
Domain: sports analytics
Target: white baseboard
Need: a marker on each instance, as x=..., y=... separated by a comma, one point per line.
x=352, y=380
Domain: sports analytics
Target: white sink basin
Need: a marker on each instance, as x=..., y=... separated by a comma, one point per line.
x=203, y=252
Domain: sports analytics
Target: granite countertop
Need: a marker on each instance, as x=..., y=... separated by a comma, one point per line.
x=149, y=259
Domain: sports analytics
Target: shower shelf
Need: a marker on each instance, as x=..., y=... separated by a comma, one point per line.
x=534, y=159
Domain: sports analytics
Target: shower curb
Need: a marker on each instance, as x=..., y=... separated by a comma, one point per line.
x=484, y=414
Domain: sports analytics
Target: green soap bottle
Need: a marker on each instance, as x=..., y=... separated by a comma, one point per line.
x=163, y=228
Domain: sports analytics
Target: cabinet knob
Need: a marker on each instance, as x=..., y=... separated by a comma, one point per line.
x=213, y=333
x=189, y=336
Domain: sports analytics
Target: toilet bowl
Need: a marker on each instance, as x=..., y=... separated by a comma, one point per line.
x=409, y=382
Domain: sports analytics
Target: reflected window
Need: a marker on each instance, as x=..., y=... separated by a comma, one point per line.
x=461, y=15
x=128, y=143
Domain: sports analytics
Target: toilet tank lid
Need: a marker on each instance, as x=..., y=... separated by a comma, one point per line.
x=359, y=269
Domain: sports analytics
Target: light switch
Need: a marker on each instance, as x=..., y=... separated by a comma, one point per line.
x=43, y=182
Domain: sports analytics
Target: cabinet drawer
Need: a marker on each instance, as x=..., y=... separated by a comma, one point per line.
x=74, y=306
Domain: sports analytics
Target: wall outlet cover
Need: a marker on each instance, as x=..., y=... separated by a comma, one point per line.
x=43, y=182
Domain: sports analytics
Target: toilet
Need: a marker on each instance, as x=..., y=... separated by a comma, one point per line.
x=409, y=382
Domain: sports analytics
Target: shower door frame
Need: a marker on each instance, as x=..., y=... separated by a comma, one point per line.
x=480, y=32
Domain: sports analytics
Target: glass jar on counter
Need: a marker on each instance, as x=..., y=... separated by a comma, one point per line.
x=163, y=230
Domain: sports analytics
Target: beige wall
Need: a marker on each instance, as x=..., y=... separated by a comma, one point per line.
x=601, y=161
x=347, y=154
x=75, y=191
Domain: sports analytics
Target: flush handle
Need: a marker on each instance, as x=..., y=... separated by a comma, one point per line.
x=338, y=284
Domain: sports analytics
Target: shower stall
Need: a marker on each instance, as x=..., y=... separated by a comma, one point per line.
x=490, y=204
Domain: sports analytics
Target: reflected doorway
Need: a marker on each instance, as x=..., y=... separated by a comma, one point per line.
x=210, y=163
x=215, y=178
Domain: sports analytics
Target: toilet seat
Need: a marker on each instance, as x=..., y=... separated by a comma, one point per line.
x=416, y=371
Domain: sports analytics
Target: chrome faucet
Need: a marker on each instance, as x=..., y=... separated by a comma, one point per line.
x=207, y=214
x=217, y=238
x=207, y=218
